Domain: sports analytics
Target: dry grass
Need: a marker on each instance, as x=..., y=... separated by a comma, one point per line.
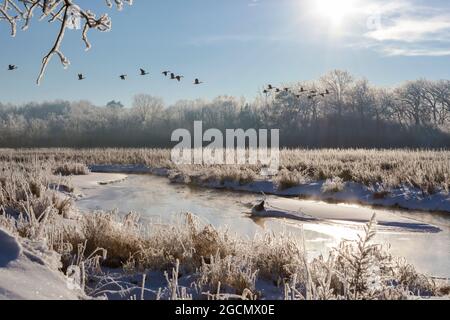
x=71, y=169
x=333, y=185
x=221, y=265
x=287, y=179
x=387, y=169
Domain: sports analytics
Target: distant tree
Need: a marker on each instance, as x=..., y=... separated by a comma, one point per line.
x=64, y=12
x=147, y=108
x=362, y=100
x=338, y=82
x=415, y=114
x=411, y=100
x=115, y=105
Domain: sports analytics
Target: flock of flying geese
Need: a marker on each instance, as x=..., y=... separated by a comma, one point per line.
x=123, y=77
x=311, y=94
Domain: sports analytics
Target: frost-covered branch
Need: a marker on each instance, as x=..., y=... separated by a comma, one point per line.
x=65, y=12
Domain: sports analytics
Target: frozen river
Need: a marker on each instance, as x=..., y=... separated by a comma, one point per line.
x=422, y=238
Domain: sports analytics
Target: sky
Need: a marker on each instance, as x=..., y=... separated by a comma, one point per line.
x=234, y=46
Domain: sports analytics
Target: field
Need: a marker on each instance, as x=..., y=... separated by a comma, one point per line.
x=428, y=171
x=113, y=255
x=413, y=179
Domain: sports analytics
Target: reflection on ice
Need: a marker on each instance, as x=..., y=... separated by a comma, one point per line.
x=160, y=201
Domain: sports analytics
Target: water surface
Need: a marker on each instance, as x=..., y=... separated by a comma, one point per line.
x=156, y=199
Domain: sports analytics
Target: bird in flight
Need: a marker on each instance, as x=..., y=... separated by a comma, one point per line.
x=196, y=82
x=81, y=77
x=179, y=78
x=172, y=76
x=123, y=77
x=270, y=87
x=143, y=72
x=12, y=67
x=286, y=89
x=165, y=73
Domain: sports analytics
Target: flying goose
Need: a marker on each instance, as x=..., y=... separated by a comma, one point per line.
x=172, y=76
x=123, y=77
x=197, y=82
x=179, y=78
x=81, y=77
x=12, y=67
x=143, y=72
x=165, y=73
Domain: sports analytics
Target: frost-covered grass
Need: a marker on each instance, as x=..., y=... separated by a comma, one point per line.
x=71, y=169
x=333, y=185
x=425, y=170
x=198, y=260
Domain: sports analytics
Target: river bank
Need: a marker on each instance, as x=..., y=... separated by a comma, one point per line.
x=403, y=198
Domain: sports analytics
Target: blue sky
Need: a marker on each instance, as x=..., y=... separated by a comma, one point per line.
x=235, y=46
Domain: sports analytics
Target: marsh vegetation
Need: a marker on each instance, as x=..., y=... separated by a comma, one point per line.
x=195, y=259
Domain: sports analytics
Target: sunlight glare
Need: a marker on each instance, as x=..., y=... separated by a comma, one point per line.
x=335, y=11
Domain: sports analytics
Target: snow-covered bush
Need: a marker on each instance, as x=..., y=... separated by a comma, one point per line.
x=335, y=184
x=287, y=179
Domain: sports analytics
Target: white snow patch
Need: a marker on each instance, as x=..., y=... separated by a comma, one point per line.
x=30, y=272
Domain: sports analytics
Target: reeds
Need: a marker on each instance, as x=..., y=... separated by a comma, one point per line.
x=219, y=264
x=425, y=170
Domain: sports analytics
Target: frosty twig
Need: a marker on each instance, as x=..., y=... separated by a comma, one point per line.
x=56, y=11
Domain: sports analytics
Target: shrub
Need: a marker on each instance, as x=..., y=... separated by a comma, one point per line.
x=71, y=169
x=288, y=179
x=333, y=185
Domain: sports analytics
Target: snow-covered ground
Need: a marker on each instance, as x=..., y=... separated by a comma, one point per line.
x=92, y=180
x=405, y=197
x=29, y=271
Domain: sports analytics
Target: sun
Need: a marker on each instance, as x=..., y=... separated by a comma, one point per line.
x=334, y=11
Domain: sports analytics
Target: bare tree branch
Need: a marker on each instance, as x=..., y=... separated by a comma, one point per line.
x=65, y=12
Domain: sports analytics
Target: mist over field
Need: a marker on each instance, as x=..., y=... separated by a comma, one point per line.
x=356, y=114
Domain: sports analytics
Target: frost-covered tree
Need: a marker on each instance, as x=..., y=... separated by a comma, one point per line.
x=339, y=82
x=147, y=108
x=66, y=13
x=414, y=114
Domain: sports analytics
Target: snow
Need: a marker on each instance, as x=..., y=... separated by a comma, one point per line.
x=30, y=272
x=93, y=180
x=404, y=198
x=296, y=209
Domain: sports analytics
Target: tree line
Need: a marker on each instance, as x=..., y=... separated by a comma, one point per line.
x=414, y=114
